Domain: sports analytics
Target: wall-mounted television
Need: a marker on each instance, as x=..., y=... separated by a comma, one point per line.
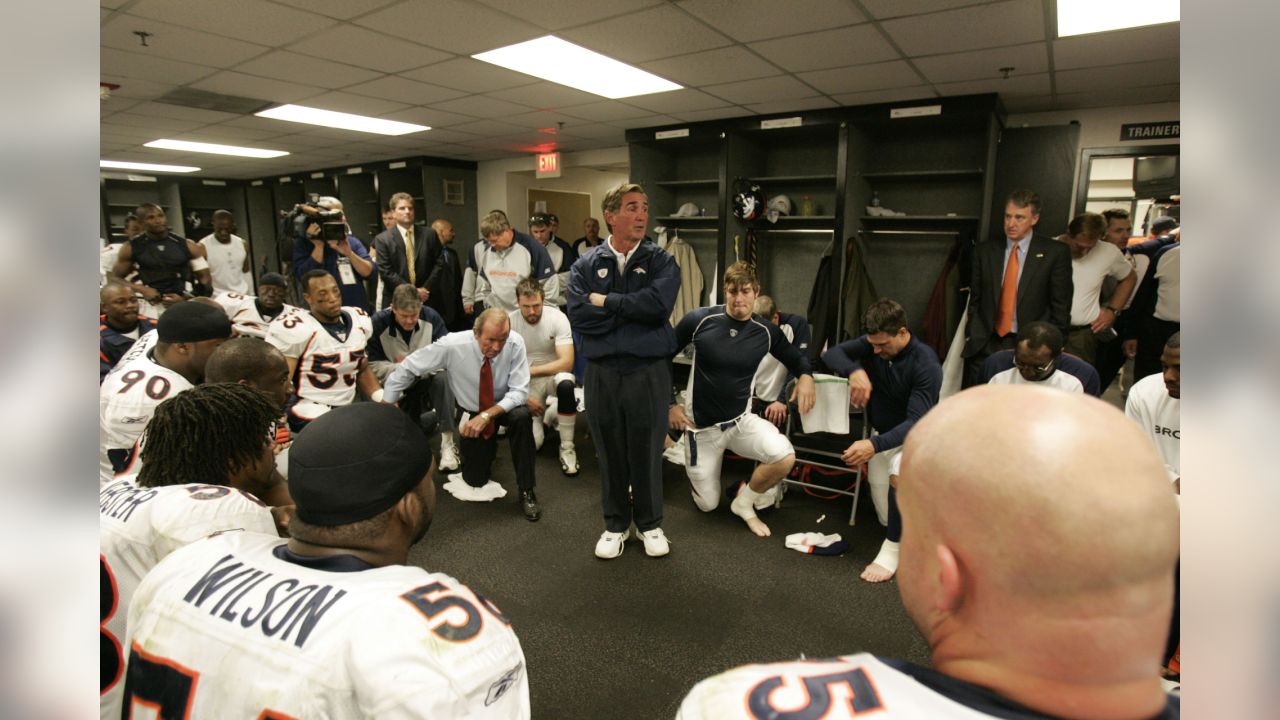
x=1155, y=177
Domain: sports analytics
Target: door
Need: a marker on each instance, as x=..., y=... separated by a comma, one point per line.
x=1042, y=159
x=571, y=207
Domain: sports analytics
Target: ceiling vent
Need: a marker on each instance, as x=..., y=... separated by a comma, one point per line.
x=202, y=100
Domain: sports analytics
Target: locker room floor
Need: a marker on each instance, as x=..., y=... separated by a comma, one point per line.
x=627, y=638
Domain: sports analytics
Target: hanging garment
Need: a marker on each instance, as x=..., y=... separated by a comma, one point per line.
x=690, y=278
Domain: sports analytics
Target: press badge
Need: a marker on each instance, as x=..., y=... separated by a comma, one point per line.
x=344, y=270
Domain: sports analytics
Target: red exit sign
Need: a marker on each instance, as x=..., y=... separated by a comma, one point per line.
x=548, y=165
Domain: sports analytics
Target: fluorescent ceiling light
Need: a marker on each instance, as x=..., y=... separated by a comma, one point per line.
x=1079, y=17
x=214, y=148
x=551, y=58
x=149, y=167
x=341, y=120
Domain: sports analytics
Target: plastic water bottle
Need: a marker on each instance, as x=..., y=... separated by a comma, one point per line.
x=875, y=199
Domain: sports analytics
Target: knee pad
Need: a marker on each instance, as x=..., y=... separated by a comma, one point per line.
x=566, y=401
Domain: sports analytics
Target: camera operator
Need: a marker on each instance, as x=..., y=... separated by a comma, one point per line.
x=324, y=241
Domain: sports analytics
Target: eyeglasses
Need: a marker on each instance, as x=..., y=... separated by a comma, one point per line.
x=1037, y=369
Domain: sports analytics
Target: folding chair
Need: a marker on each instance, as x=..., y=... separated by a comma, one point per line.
x=821, y=449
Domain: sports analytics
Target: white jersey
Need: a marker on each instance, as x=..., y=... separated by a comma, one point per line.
x=139, y=527
x=327, y=365
x=127, y=400
x=226, y=264
x=1059, y=379
x=335, y=638
x=1158, y=412
x=540, y=340
x=844, y=688
x=244, y=313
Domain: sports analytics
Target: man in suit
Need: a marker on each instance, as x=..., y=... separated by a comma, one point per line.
x=394, y=248
x=444, y=283
x=1025, y=278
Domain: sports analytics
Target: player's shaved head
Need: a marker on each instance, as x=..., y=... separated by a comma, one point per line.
x=1040, y=537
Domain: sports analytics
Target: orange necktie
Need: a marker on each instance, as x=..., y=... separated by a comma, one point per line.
x=1008, y=294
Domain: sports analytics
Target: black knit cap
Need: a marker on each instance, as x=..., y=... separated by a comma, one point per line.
x=355, y=462
x=192, y=322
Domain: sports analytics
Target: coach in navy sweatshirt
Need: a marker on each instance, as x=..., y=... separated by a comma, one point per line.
x=897, y=378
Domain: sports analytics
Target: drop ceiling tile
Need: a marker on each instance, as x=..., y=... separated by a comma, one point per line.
x=597, y=131
x=748, y=20
x=115, y=104
x=118, y=63
x=472, y=27
x=543, y=119
x=760, y=90
x=136, y=88
x=855, y=45
x=492, y=128
x=175, y=43
x=1156, y=42
x=649, y=121
x=1107, y=78
x=650, y=34
x=444, y=135
x=684, y=100
x=403, y=90
x=1029, y=104
x=1013, y=22
x=368, y=49
x=125, y=133
x=885, y=9
x=772, y=107
x=891, y=95
x=429, y=116
x=863, y=77
x=605, y=111
x=266, y=89
x=250, y=20
x=1018, y=85
x=293, y=67
x=341, y=9
x=545, y=95
x=153, y=123
x=978, y=64
x=1127, y=97
x=228, y=134
x=733, y=111
x=567, y=13
x=469, y=75
x=483, y=106
x=357, y=104
x=721, y=65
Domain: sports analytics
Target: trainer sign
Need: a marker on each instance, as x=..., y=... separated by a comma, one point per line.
x=1151, y=131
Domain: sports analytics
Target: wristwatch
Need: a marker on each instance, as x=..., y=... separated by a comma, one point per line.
x=1114, y=311
x=486, y=416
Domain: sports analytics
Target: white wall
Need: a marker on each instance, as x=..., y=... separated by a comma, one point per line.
x=1100, y=127
x=503, y=184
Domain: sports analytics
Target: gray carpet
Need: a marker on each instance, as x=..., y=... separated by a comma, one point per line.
x=627, y=638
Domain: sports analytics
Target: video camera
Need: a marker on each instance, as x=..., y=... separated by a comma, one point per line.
x=303, y=214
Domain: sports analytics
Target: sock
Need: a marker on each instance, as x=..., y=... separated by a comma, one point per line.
x=566, y=424
x=744, y=505
x=887, y=558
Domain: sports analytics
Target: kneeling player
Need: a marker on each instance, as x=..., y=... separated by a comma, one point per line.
x=729, y=343
x=549, y=342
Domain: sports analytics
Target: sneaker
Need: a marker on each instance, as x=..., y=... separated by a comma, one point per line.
x=449, y=460
x=568, y=460
x=610, y=545
x=655, y=542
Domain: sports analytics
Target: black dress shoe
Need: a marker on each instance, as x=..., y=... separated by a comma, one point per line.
x=529, y=504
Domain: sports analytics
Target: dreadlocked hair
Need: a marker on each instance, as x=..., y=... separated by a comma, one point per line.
x=205, y=434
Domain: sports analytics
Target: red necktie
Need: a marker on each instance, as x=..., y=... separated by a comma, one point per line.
x=486, y=395
x=1008, y=295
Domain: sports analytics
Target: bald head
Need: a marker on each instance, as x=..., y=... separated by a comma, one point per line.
x=1037, y=523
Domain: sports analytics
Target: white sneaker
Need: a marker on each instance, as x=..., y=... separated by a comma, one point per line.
x=610, y=545
x=655, y=542
x=449, y=460
x=568, y=460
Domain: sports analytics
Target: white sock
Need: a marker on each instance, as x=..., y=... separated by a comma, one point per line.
x=566, y=425
x=447, y=440
x=887, y=558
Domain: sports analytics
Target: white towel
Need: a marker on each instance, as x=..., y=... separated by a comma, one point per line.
x=953, y=366
x=831, y=411
x=462, y=491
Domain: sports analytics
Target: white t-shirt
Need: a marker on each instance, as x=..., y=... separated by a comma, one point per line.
x=138, y=527
x=772, y=374
x=226, y=265
x=334, y=639
x=1168, y=292
x=540, y=340
x=1059, y=379
x=243, y=311
x=127, y=400
x=1158, y=413
x=327, y=366
x=1087, y=274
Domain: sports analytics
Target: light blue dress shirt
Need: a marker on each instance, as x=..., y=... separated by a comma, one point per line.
x=459, y=353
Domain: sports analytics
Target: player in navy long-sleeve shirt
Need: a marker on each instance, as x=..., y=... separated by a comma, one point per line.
x=897, y=378
x=728, y=344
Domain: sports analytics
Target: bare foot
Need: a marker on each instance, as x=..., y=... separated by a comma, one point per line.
x=742, y=508
x=876, y=573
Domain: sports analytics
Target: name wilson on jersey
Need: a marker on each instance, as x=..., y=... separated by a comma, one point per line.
x=284, y=609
